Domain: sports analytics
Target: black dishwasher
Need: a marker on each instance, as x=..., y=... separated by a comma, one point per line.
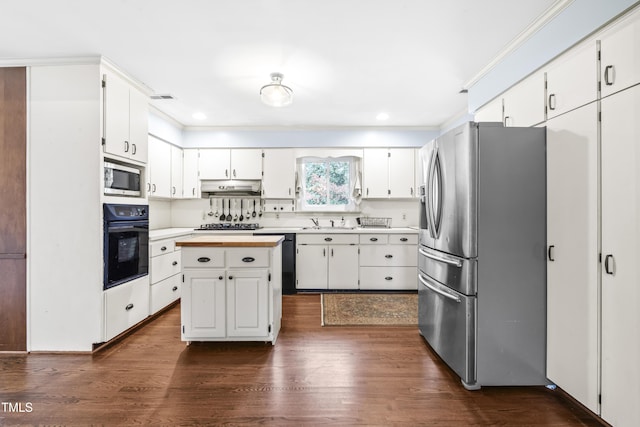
x=288, y=261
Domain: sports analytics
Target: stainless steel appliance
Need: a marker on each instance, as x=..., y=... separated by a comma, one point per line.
x=126, y=243
x=482, y=277
x=121, y=180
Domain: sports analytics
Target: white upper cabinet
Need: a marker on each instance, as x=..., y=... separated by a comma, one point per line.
x=388, y=173
x=620, y=58
x=279, y=177
x=401, y=172
x=159, y=168
x=572, y=80
x=523, y=104
x=190, y=181
x=126, y=118
x=490, y=112
x=176, y=172
x=225, y=163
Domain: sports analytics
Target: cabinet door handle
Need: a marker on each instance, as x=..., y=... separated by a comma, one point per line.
x=367, y=191
x=248, y=259
x=204, y=259
x=609, y=264
x=175, y=288
x=153, y=188
x=129, y=307
x=148, y=187
x=324, y=252
x=174, y=190
x=174, y=263
x=609, y=75
x=550, y=253
x=411, y=190
x=331, y=251
x=404, y=239
x=388, y=278
x=126, y=146
x=234, y=173
x=328, y=239
x=373, y=239
x=506, y=120
x=388, y=256
x=226, y=173
x=164, y=248
x=193, y=191
x=289, y=190
x=230, y=277
x=552, y=101
x=133, y=149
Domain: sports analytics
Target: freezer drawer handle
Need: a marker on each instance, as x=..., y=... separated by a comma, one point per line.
x=609, y=267
x=204, y=259
x=449, y=261
x=438, y=291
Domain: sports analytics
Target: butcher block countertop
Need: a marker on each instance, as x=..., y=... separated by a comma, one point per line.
x=243, y=240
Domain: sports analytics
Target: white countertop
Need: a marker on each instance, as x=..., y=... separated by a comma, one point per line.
x=167, y=233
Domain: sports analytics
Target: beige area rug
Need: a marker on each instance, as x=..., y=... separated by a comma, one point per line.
x=369, y=309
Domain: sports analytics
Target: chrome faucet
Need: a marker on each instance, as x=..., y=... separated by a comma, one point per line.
x=315, y=221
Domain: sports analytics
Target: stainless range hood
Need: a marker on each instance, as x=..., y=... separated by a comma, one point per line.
x=230, y=187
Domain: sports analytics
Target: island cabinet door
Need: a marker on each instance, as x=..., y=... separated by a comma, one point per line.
x=247, y=303
x=203, y=304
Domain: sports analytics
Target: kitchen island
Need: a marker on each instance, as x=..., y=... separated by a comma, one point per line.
x=232, y=288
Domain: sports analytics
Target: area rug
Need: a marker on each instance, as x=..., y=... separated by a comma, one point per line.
x=369, y=309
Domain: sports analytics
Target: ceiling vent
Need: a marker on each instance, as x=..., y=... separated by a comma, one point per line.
x=162, y=96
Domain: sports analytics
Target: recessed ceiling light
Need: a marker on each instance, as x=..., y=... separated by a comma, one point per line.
x=199, y=116
x=382, y=116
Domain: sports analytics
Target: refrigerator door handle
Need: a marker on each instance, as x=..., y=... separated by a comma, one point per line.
x=429, y=193
x=425, y=282
x=441, y=258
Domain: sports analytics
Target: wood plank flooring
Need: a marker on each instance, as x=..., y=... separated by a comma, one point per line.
x=338, y=376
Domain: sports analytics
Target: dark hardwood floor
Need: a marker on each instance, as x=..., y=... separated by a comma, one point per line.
x=373, y=376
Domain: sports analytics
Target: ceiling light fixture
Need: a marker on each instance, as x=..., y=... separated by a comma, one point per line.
x=275, y=94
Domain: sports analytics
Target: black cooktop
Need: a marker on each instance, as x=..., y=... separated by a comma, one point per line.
x=229, y=226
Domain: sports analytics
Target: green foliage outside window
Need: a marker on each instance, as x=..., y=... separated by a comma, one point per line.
x=326, y=183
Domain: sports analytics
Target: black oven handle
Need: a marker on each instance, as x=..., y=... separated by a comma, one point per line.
x=128, y=225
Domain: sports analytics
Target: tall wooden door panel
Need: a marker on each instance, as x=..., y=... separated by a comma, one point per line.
x=13, y=140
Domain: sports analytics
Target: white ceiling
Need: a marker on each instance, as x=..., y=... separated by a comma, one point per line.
x=346, y=60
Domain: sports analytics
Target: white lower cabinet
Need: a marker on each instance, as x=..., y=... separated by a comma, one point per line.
x=125, y=305
x=164, y=274
x=241, y=301
x=327, y=261
x=388, y=261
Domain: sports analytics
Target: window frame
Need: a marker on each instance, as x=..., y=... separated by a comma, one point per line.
x=354, y=167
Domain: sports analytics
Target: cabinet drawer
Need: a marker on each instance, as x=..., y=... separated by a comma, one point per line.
x=162, y=247
x=324, y=239
x=164, y=266
x=389, y=278
x=248, y=257
x=388, y=255
x=403, y=239
x=125, y=305
x=374, y=239
x=165, y=292
x=202, y=258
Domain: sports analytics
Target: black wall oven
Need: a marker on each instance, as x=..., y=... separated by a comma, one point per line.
x=126, y=243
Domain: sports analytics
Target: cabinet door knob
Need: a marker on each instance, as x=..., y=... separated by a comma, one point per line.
x=204, y=259
x=129, y=307
x=175, y=288
x=174, y=263
x=220, y=277
x=164, y=248
x=230, y=277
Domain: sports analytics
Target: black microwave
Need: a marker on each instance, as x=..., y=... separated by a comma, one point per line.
x=121, y=180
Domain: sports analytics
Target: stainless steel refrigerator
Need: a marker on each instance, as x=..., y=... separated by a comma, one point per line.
x=482, y=277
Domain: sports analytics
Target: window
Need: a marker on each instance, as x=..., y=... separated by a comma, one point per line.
x=327, y=184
